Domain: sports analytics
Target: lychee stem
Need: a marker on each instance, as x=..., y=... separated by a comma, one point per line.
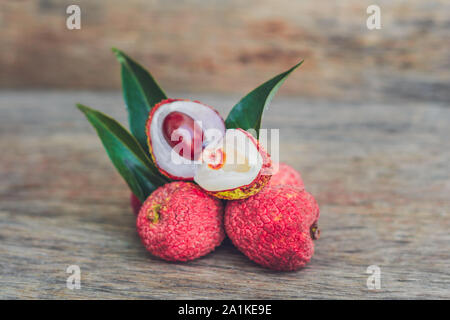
x=315, y=231
x=153, y=214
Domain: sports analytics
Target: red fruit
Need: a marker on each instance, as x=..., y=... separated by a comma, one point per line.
x=180, y=222
x=177, y=131
x=286, y=175
x=274, y=228
x=179, y=128
x=135, y=203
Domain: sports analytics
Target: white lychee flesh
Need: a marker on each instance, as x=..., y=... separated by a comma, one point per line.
x=166, y=157
x=239, y=167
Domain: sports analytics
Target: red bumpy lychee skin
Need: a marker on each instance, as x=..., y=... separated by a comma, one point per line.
x=180, y=222
x=135, y=204
x=275, y=228
x=287, y=175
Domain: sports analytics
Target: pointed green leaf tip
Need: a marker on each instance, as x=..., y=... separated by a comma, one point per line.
x=140, y=91
x=125, y=153
x=247, y=113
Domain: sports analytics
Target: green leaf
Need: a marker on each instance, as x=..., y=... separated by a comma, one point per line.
x=125, y=153
x=247, y=113
x=141, y=93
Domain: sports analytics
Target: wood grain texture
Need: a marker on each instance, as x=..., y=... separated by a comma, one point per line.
x=380, y=173
x=233, y=45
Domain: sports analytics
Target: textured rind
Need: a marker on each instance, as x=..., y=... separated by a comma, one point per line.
x=273, y=228
x=287, y=175
x=261, y=180
x=189, y=223
x=244, y=191
x=149, y=139
x=135, y=204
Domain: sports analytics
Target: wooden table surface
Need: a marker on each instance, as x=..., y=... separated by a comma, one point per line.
x=380, y=172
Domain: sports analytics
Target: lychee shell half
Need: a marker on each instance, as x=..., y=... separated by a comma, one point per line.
x=275, y=228
x=180, y=222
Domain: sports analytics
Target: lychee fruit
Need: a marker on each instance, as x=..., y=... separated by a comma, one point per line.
x=275, y=228
x=188, y=141
x=180, y=222
x=177, y=132
x=286, y=175
x=235, y=167
x=135, y=204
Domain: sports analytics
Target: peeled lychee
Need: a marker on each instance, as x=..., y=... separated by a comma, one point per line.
x=235, y=167
x=188, y=141
x=275, y=228
x=135, y=204
x=286, y=175
x=177, y=132
x=180, y=222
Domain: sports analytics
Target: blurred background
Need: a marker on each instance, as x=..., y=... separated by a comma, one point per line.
x=231, y=46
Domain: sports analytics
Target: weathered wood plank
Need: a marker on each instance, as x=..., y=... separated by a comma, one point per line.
x=380, y=173
x=211, y=46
